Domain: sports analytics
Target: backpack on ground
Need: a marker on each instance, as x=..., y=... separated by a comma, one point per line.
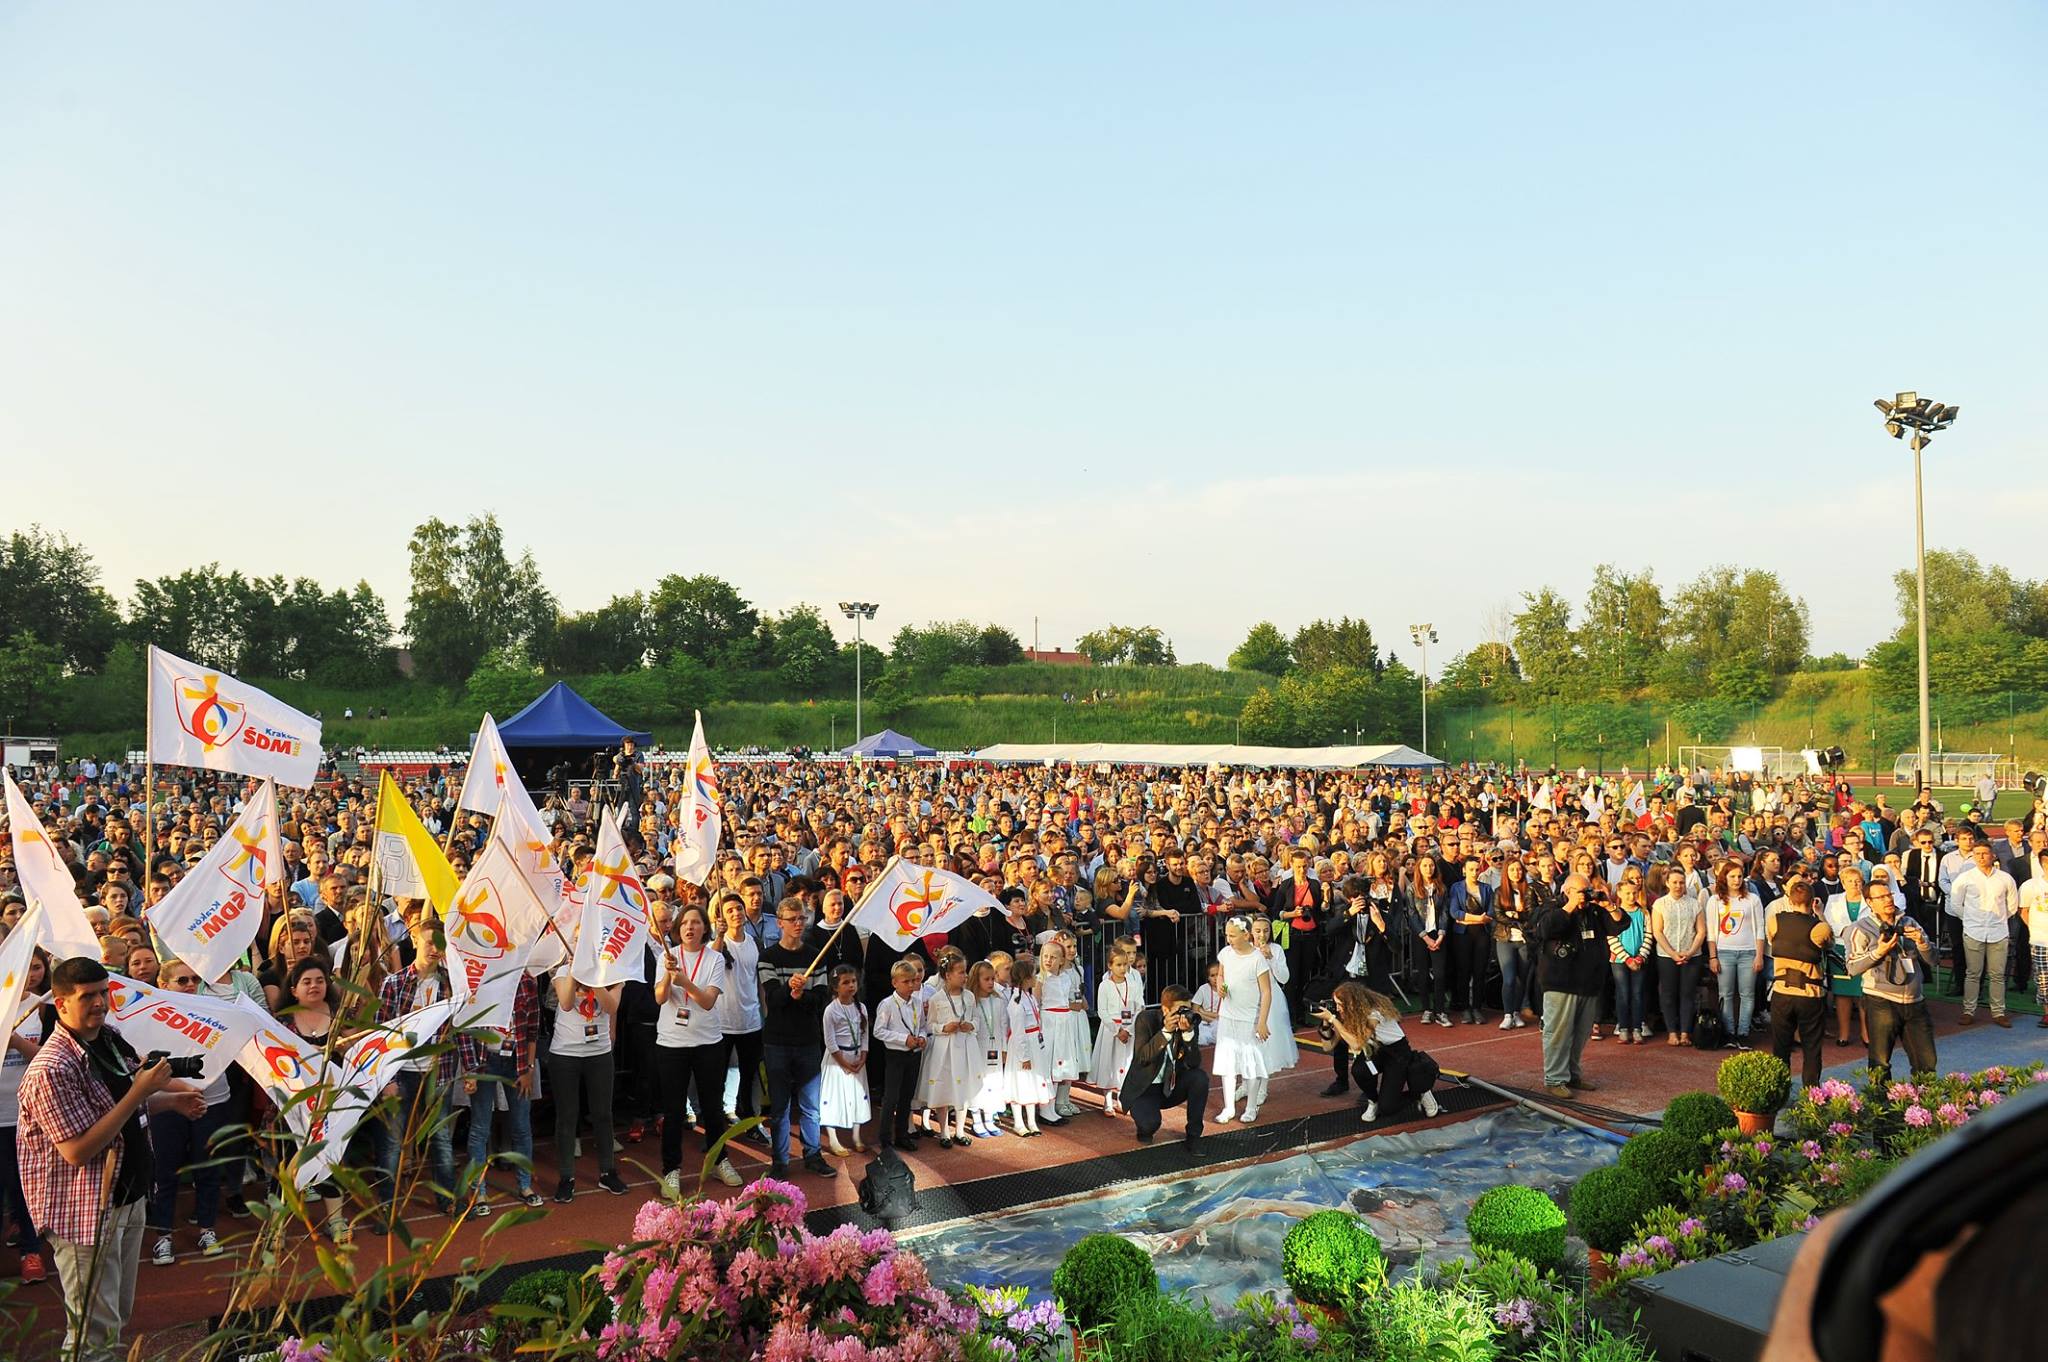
x=888, y=1191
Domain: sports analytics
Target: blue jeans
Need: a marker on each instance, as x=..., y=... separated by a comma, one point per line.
x=1737, y=980
x=1628, y=996
x=176, y=1141
x=1513, y=959
x=501, y=1074
x=418, y=1111
x=792, y=1072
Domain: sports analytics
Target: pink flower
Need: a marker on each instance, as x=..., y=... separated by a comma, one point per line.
x=1840, y=1128
x=1950, y=1114
x=879, y=1287
x=1734, y=1182
x=1810, y=1149
x=1919, y=1117
x=1903, y=1092
x=1990, y=1097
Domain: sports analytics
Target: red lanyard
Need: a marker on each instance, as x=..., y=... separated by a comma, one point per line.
x=1123, y=991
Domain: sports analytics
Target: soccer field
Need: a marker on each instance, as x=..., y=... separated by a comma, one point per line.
x=2011, y=803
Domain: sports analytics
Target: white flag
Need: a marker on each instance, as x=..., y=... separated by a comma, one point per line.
x=16, y=954
x=909, y=901
x=182, y=1024
x=46, y=882
x=610, y=946
x=699, y=821
x=1593, y=802
x=1544, y=799
x=490, y=786
x=1636, y=804
x=493, y=923
x=200, y=716
x=212, y=914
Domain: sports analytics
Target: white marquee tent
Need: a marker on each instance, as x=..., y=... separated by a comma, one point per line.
x=1204, y=754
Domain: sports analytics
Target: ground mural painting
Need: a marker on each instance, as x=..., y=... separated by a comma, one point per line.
x=1219, y=1235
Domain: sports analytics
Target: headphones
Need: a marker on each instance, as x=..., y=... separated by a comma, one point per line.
x=1965, y=1179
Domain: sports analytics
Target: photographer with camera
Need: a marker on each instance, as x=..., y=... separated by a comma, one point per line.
x=1894, y=957
x=1166, y=1068
x=1368, y=1024
x=85, y=1154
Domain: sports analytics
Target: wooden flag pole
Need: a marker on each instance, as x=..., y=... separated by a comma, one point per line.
x=847, y=921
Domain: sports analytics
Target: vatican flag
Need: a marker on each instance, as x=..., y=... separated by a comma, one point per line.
x=409, y=865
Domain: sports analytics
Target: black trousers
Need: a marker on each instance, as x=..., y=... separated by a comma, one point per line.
x=1952, y=933
x=1393, y=1090
x=1804, y=1019
x=746, y=1049
x=1148, y=1107
x=1304, y=962
x=637, y=1086
x=1436, y=966
x=1892, y=1024
x=1470, y=950
x=682, y=1067
x=899, y=1092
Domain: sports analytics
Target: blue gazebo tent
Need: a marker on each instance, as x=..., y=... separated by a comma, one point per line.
x=562, y=718
x=888, y=745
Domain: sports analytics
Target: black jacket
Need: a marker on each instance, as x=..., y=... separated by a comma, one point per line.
x=1571, y=949
x=1149, y=1044
x=796, y=1022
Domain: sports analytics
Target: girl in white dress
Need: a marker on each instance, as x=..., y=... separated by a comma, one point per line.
x=991, y=1046
x=950, y=1077
x=923, y=1123
x=1118, y=999
x=1066, y=1024
x=843, y=1093
x=1281, y=1051
x=1208, y=1001
x=1024, y=1066
x=1241, y=1026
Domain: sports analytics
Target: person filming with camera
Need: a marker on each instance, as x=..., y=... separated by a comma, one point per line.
x=1166, y=1067
x=85, y=1153
x=1368, y=1024
x=1894, y=956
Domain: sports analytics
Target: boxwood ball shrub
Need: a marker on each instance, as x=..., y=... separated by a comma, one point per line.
x=1697, y=1117
x=1754, y=1082
x=1328, y=1257
x=1521, y=1221
x=553, y=1288
x=1606, y=1204
x=1662, y=1157
x=1098, y=1273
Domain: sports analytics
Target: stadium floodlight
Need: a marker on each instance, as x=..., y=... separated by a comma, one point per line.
x=1924, y=417
x=857, y=611
x=1424, y=635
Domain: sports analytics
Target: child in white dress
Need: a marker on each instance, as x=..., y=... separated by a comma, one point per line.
x=951, y=1079
x=1118, y=999
x=1066, y=1024
x=1208, y=1001
x=1242, y=1023
x=1280, y=1049
x=843, y=1092
x=923, y=1123
x=1024, y=1067
x=991, y=1047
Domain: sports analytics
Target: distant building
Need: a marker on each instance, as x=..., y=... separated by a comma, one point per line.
x=1054, y=655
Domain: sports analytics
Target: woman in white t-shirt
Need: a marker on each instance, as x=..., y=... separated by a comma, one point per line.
x=16, y=1050
x=1735, y=920
x=739, y=1011
x=689, y=1042
x=579, y=1070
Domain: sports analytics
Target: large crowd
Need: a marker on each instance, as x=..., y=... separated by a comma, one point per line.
x=1158, y=931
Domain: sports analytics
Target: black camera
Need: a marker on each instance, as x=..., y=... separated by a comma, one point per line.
x=1311, y=1006
x=185, y=1066
x=1889, y=931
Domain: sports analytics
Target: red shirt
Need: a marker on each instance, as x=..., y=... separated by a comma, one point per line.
x=61, y=1098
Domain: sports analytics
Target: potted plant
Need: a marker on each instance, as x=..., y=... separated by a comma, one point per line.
x=1518, y=1220
x=1098, y=1273
x=1329, y=1260
x=1605, y=1206
x=1755, y=1085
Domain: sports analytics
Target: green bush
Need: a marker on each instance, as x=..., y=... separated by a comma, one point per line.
x=1754, y=1082
x=1662, y=1157
x=1418, y=1323
x=553, y=1288
x=1518, y=1220
x=1606, y=1204
x=1099, y=1273
x=1149, y=1327
x=1329, y=1258
x=1696, y=1118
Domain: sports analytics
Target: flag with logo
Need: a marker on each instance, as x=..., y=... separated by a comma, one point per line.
x=46, y=881
x=409, y=864
x=1636, y=803
x=493, y=923
x=1543, y=798
x=182, y=1024
x=699, y=821
x=212, y=914
x=610, y=944
x=908, y=901
x=201, y=716
x=16, y=953
x=490, y=786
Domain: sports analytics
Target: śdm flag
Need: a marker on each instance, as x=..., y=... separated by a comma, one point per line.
x=909, y=901
x=409, y=865
x=46, y=882
x=610, y=946
x=212, y=914
x=15, y=954
x=182, y=1025
x=699, y=821
x=201, y=716
x=491, y=787
x=491, y=927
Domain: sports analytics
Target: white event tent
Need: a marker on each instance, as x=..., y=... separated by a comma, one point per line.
x=1203, y=754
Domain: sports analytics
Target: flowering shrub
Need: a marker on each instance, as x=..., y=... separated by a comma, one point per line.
x=1014, y=1329
x=744, y=1278
x=1528, y=1301
x=1272, y=1330
x=1665, y=1238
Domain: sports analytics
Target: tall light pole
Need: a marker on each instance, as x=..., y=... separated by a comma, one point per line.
x=1424, y=635
x=857, y=611
x=1924, y=417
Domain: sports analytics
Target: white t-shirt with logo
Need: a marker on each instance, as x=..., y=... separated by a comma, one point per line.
x=682, y=1022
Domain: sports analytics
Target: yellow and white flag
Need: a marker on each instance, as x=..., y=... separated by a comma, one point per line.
x=491, y=787
x=908, y=901
x=492, y=925
x=699, y=820
x=409, y=865
x=46, y=882
x=211, y=915
x=610, y=946
x=201, y=716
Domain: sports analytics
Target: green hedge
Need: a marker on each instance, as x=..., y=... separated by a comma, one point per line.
x=1099, y=1272
x=1518, y=1220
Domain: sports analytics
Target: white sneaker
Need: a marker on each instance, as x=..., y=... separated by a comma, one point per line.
x=1443, y=1019
x=1250, y=1114
x=1371, y=1113
x=1225, y=1118
x=725, y=1173
x=209, y=1243
x=672, y=1181
x=1427, y=1018
x=1429, y=1104
x=1507, y=1023
x=162, y=1256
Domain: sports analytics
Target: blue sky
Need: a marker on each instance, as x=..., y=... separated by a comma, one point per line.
x=1179, y=314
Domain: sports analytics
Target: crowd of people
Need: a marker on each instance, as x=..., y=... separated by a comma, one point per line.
x=1159, y=933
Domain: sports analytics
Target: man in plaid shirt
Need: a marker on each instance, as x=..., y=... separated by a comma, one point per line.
x=498, y=1067
x=85, y=1159
x=424, y=1085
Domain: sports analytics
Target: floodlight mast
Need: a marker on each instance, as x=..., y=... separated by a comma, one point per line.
x=857, y=611
x=1925, y=418
x=1424, y=635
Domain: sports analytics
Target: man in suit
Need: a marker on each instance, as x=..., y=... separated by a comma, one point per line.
x=1923, y=881
x=1166, y=1068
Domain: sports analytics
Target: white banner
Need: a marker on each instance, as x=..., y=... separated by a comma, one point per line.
x=699, y=820
x=611, y=944
x=212, y=914
x=200, y=716
x=46, y=882
x=909, y=901
x=490, y=786
x=182, y=1024
x=494, y=922
x=16, y=953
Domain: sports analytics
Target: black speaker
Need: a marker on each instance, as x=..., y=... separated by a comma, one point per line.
x=1718, y=1309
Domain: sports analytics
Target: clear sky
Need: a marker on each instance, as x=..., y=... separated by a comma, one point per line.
x=1181, y=314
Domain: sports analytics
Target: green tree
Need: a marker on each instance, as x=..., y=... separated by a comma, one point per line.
x=200, y=613
x=925, y=653
x=1486, y=674
x=1333, y=643
x=998, y=647
x=468, y=598
x=50, y=590
x=704, y=617
x=1264, y=649
x=804, y=650
x=1622, y=631
x=1544, y=643
x=1267, y=718
x=1966, y=596
x=611, y=638
x=1116, y=644
x=31, y=680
